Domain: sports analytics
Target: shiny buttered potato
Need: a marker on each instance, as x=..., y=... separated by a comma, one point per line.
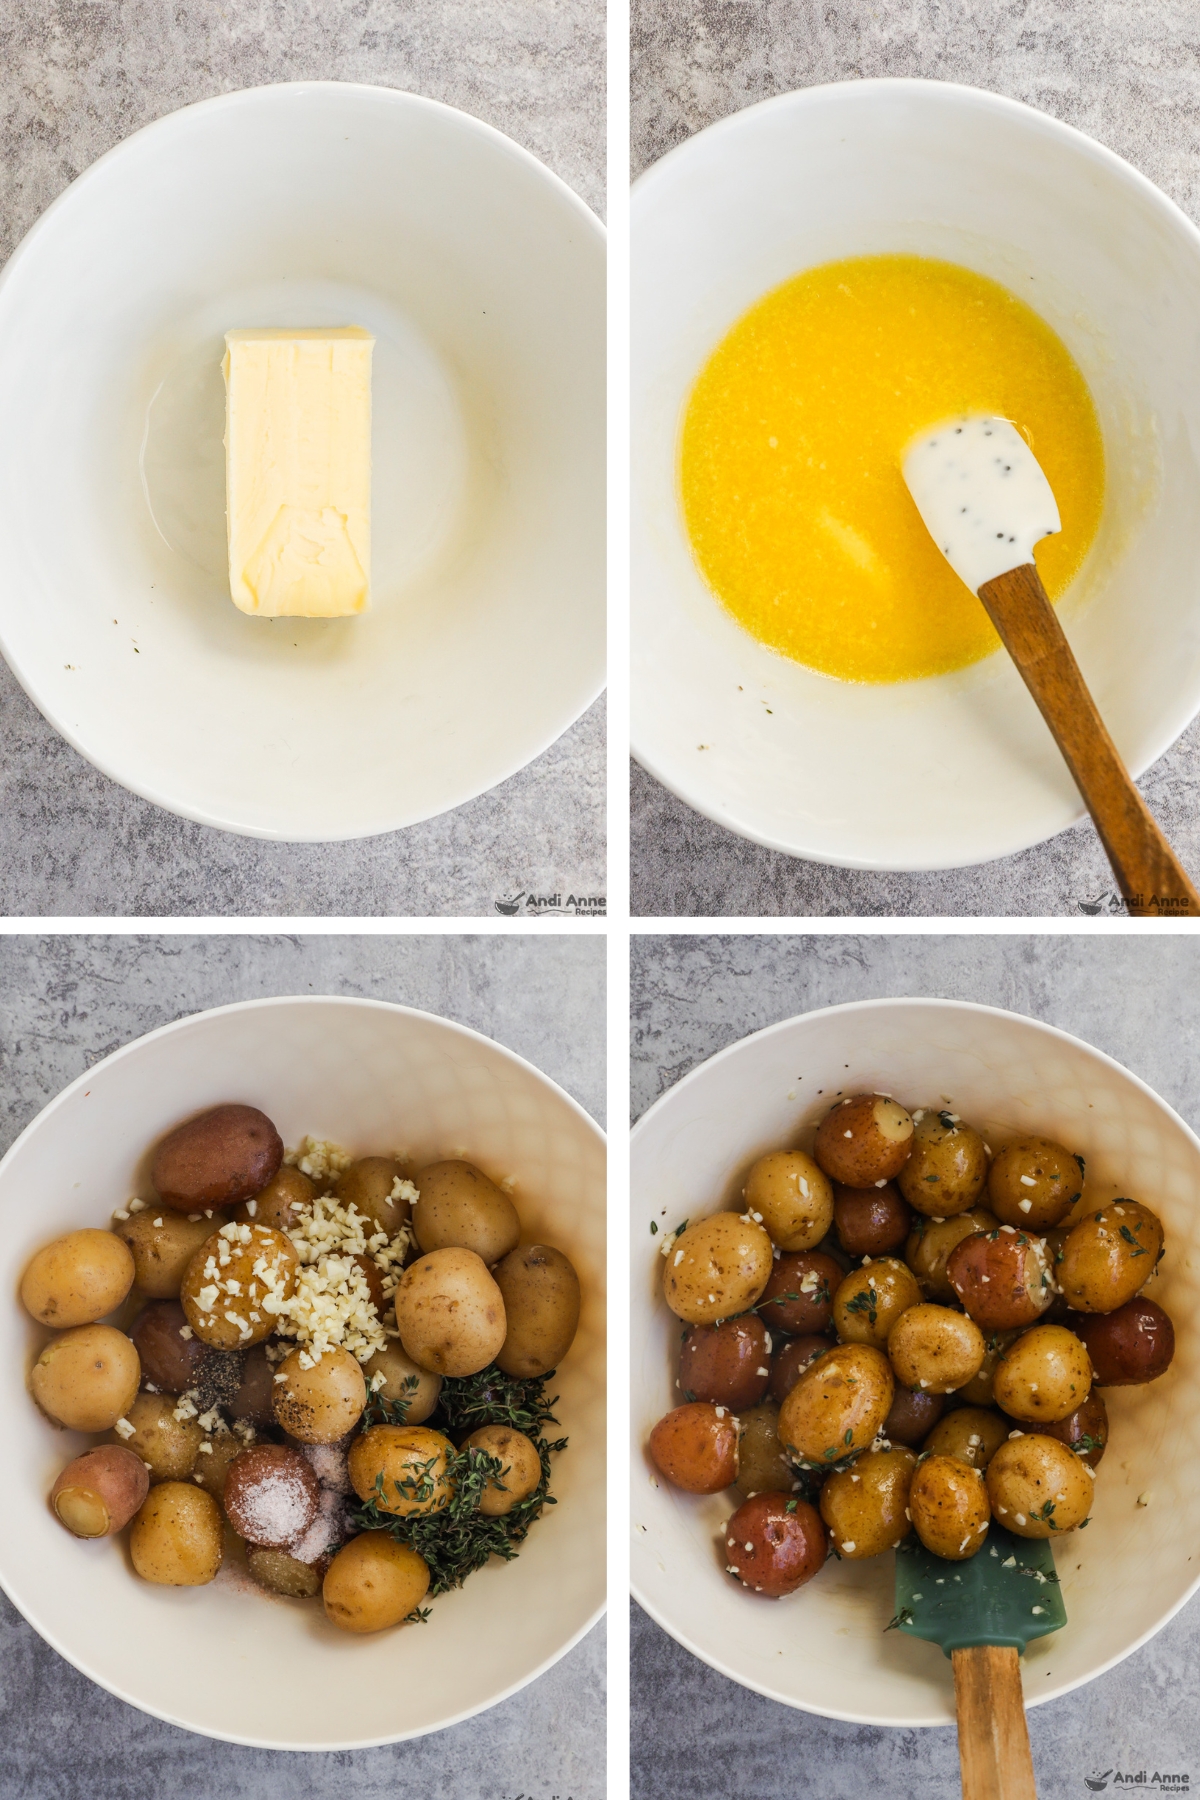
x=728, y=1364
x=696, y=1447
x=520, y=1468
x=226, y=1155
x=1002, y=1277
x=762, y=1468
x=1034, y=1182
x=798, y=1297
x=871, y=1221
x=271, y=1495
x=948, y=1501
x=913, y=1414
x=370, y=1186
x=287, y=1195
x=1085, y=1431
x=77, y=1279
x=450, y=1313
x=100, y=1491
x=163, y=1243
x=717, y=1267
x=1133, y=1345
x=374, y=1582
x=791, y=1360
x=233, y=1280
x=933, y=1348
x=972, y=1433
x=404, y=1469
x=866, y=1507
x=177, y=1538
x=980, y=1390
x=459, y=1208
x=87, y=1378
x=946, y=1172
x=1108, y=1257
x=838, y=1405
x=169, y=1446
x=403, y=1379
x=168, y=1349
x=320, y=1403
x=870, y=1300
x=864, y=1141
x=280, y=1573
x=789, y=1196
x=1038, y=1487
x=1044, y=1375
x=931, y=1243
x=541, y=1305
x=774, y=1544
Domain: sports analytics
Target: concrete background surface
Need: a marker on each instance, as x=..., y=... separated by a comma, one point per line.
x=699, y=1735
x=65, y=1002
x=1126, y=73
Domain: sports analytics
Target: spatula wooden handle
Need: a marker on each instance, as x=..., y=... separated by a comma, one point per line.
x=1148, y=872
x=993, y=1737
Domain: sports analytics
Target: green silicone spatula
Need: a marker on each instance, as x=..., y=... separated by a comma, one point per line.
x=982, y=1613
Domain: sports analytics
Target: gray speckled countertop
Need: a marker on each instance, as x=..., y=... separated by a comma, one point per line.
x=74, y=80
x=68, y=1001
x=1129, y=75
x=699, y=1735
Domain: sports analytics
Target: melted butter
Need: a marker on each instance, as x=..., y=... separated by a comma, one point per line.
x=791, y=452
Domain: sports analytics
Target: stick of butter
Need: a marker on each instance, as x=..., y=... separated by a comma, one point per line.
x=298, y=470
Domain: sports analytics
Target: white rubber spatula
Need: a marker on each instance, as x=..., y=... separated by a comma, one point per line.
x=986, y=503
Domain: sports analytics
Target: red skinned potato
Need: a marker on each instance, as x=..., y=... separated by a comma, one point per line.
x=728, y=1364
x=1085, y=1431
x=864, y=1141
x=914, y=1413
x=791, y=1361
x=223, y=1156
x=798, y=1297
x=169, y=1358
x=774, y=1543
x=1128, y=1347
x=695, y=1447
x=98, y=1493
x=1002, y=1278
x=870, y=1221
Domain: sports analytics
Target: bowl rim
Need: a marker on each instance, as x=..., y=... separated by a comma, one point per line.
x=1030, y=118
x=931, y=1003
x=271, y=93
x=58, y=1101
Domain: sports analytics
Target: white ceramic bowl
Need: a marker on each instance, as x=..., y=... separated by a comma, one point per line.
x=954, y=770
x=825, y=1649
x=226, y=1660
x=482, y=277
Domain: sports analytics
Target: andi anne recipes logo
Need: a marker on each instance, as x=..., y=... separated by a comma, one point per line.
x=1154, y=1781
x=528, y=905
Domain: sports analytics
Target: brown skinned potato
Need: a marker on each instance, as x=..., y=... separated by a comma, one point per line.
x=871, y=1299
x=177, y=1538
x=404, y=1380
x=169, y=1360
x=1002, y=1278
x=863, y=1141
x=541, y=1306
x=931, y=1243
x=933, y=1348
x=716, y=1268
x=215, y=1458
x=838, y=1405
x=914, y=1413
x=1043, y=1376
x=373, y=1583
x=1128, y=1347
x=946, y=1172
x=1038, y=1487
x=520, y=1471
x=870, y=1221
x=368, y=1185
x=696, y=1447
x=786, y=1193
x=450, y=1313
x=728, y=1364
x=972, y=1433
x=1034, y=1182
x=1084, y=1431
x=163, y=1243
x=99, y=1492
x=791, y=1360
x=774, y=1544
x=948, y=1500
x=404, y=1469
x=798, y=1297
x=77, y=1279
x=222, y=1288
x=287, y=1196
x=280, y=1573
x=254, y=1400
x=320, y=1404
x=762, y=1468
x=1109, y=1256
x=219, y=1158
x=980, y=1390
x=866, y=1507
x=86, y=1378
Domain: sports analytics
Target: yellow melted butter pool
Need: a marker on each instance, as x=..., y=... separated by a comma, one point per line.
x=791, y=447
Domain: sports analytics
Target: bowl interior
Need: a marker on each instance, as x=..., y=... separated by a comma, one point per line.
x=482, y=278
x=269, y=1671
x=825, y=1649
x=1113, y=266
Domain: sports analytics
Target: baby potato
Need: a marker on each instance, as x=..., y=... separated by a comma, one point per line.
x=719, y=1266
x=870, y=1221
x=77, y=1279
x=100, y=1491
x=232, y=1281
x=864, y=1141
x=913, y=1414
x=460, y=1209
x=541, y=1304
x=169, y=1445
x=933, y=1348
x=931, y=1243
x=320, y=1403
x=403, y=1380
x=254, y=1400
x=870, y=1300
x=177, y=1539
x=450, y=1313
x=520, y=1472
x=838, y=1405
x=287, y=1196
x=948, y=1501
x=368, y=1185
x=948, y=1166
x=787, y=1194
x=216, y=1456
x=798, y=1297
x=280, y=1573
x=1085, y=1431
x=1038, y=1487
x=696, y=1447
x=792, y=1359
x=87, y=1378
x=971, y=1433
x=169, y=1360
x=728, y=1363
x=980, y=1390
x=271, y=1495
x=1133, y=1345
x=1109, y=1256
x=404, y=1469
x=866, y=1507
x=1002, y=1277
x=163, y=1243
x=222, y=1156
x=1034, y=1182
x=774, y=1544
x=1044, y=1375
x=374, y=1582
x=762, y=1468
